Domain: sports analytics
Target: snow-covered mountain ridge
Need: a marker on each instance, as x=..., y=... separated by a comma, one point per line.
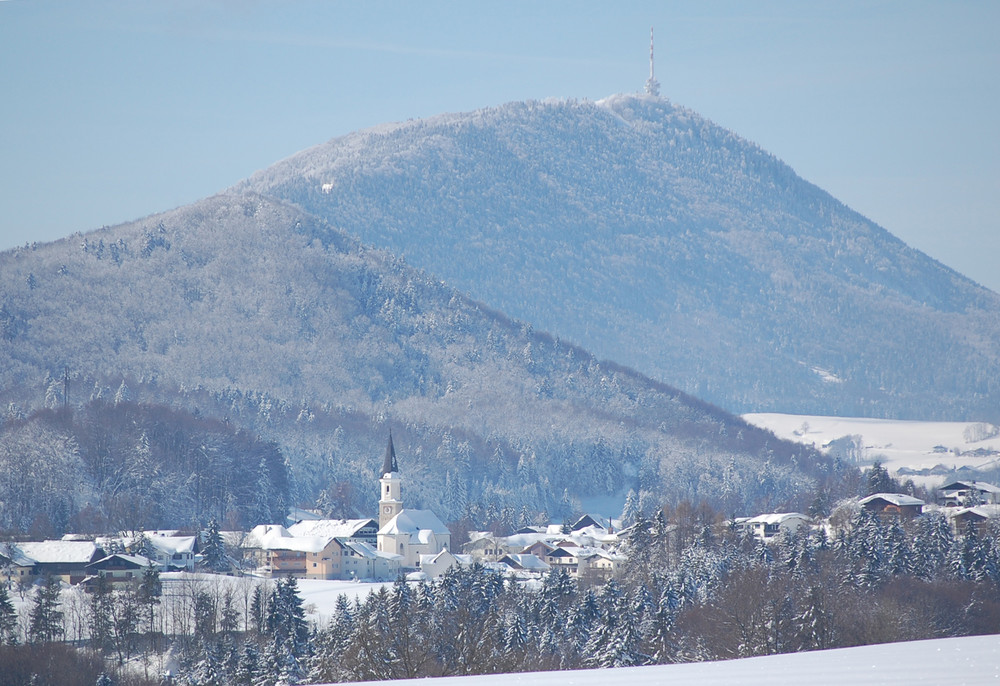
x=656, y=238
x=256, y=314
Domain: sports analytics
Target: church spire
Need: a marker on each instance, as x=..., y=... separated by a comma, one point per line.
x=389, y=465
x=390, y=501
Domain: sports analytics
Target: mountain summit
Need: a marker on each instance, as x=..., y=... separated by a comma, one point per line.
x=653, y=237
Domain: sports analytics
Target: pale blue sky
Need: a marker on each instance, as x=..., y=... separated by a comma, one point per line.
x=111, y=109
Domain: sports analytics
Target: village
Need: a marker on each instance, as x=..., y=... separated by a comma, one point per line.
x=414, y=543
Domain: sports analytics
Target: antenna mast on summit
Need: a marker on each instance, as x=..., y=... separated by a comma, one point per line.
x=652, y=85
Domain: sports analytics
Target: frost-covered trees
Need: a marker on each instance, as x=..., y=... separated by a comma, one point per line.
x=45, y=617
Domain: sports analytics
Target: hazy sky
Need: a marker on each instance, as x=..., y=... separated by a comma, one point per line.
x=113, y=110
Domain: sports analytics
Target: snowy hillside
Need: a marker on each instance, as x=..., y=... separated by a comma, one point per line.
x=254, y=314
x=925, y=451
x=953, y=661
x=657, y=239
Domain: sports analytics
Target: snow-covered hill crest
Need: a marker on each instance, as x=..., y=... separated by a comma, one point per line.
x=656, y=238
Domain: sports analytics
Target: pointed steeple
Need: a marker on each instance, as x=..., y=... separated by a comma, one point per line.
x=390, y=465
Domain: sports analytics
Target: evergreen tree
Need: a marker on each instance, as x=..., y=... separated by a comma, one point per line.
x=630, y=511
x=100, y=614
x=877, y=480
x=286, y=620
x=932, y=544
x=214, y=551
x=247, y=669
x=8, y=618
x=814, y=624
x=149, y=592
x=45, y=617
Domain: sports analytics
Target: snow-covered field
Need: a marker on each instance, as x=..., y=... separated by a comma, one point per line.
x=941, y=662
x=896, y=443
x=319, y=597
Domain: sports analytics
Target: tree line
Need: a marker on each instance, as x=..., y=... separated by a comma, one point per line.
x=693, y=588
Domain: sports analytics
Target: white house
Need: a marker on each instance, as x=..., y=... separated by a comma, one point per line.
x=173, y=552
x=968, y=494
x=436, y=565
x=361, y=561
x=767, y=526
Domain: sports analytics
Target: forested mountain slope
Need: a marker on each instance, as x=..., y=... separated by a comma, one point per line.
x=653, y=237
x=250, y=312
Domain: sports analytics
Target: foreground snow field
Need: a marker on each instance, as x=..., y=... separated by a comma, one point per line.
x=946, y=661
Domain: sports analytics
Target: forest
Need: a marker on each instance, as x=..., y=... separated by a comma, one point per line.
x=124, y=466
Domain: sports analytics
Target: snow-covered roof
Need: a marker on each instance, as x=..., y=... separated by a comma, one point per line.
x=297, y=514
x=172, y=545
x=773, y=518
x=980, y=486
x=984, y=511
x=529, y=561
x=16, y=556
x=526, y=540
x=335, y=528
x=276, y=537
x=136, y=560
x=365, y=550
x=413, y=522
x=897, y=499
x=52, y=552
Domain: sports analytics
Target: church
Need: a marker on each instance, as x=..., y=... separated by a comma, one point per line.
x=407, y=533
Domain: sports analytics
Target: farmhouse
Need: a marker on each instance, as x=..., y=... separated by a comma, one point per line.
x=893, y=504
x=968, y=494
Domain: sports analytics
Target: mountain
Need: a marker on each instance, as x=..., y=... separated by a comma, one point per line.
x=245, y=312
x=653, y=237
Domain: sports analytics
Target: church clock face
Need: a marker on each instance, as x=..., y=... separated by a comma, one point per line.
x=387, y=509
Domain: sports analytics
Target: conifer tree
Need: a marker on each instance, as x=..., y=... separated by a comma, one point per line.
x=8, y=618
x=214, y=551
x=45, y=617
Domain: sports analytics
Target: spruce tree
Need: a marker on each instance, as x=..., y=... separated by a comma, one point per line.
x=214, y=552
x=8, y=618
x=45, y=617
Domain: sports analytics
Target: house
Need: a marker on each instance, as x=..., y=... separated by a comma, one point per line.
x=589, y=520
x=525, y=562
x=565, y=559
x=277, y=552
x=66, y=560
x=360, y=530
x=767, y=526
x=893, y=504
x=968, y=494
x=173, y=552
x=119, y=569
x=407, y=533
x=978, y=516
x=485, y=547
x=597, y=564
x=436, y=565
x=362, y=561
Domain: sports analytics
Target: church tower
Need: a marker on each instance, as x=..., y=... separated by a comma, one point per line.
x=390, y=502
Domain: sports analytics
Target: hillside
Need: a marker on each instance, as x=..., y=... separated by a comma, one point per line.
x=253, y=313
x=651, y=236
